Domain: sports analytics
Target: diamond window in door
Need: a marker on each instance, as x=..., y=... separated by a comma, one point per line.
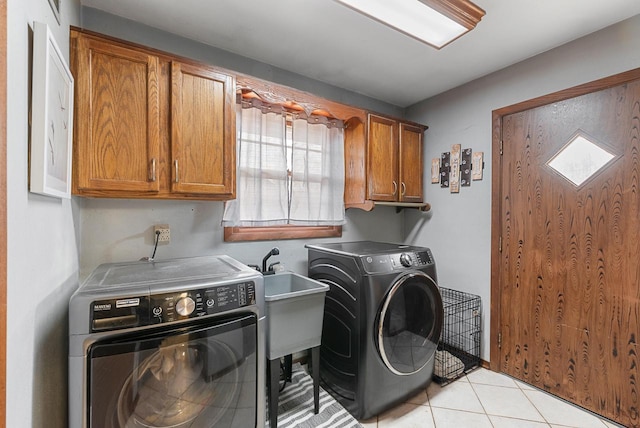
x=580, y=159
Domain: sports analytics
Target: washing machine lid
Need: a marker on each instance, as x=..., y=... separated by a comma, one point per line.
x=164, y=271
x=364, y=248
x=110, y=277
x=380, y=257
x=132, y=286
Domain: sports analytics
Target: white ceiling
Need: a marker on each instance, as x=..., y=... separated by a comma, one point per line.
x=326, y=41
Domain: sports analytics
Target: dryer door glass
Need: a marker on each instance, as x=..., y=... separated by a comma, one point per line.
x=203, y=375
x=409, y=324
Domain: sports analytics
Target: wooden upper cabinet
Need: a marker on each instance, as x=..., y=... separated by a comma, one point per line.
x=394, y=160
x=150, y=125
x=203, y=130
x=382, y=159
x=117, y=118
x=411, y=170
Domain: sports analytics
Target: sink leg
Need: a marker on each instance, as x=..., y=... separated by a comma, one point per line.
x=315, y=368
x=274, y=389
x=288, y=364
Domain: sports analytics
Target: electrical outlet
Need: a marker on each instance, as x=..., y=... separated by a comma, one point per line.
x=165, y=233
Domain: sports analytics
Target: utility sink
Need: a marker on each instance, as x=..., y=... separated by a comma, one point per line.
x=294, y=311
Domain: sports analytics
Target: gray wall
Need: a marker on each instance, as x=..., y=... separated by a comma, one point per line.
x=42, y=256
x=458, y=227
x=118, y=230
x=122, y=230
x=51, y=240
x=105, y=23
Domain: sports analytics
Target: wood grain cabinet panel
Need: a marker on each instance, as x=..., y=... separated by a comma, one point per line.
x=117, y=117
x=382, y=159
x=203, y=131
x=411, y=164
x=150, y=125
x=394, y=160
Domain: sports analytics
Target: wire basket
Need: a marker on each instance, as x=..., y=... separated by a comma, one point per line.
x=459, y=346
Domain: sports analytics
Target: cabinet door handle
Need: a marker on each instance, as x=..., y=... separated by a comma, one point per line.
x=404, y=188
x=153, y=169
x=175, y=162
x=395, y=187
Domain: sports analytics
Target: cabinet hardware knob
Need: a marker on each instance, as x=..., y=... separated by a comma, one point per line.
x=395, y=187
x=175, y=162
x=404, y=188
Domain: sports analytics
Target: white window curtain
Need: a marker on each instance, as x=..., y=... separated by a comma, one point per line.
x=290, y=169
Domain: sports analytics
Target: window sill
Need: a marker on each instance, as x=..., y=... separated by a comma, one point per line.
x=239, y=234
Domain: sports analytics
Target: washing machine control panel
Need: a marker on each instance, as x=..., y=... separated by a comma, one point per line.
x=382, y=263
x=136, y=311
x=207, y=301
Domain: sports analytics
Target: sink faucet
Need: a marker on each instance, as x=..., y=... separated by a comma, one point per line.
x=273, y=252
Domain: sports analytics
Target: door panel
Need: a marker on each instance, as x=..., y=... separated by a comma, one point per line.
x=203, y=131
x=117, y=144
x=569, y=277
x=382, y=159
x=410, y=163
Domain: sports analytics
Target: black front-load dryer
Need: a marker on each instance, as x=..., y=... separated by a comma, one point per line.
x=382, y=322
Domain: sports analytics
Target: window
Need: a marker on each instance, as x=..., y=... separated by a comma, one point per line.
x=290, y=173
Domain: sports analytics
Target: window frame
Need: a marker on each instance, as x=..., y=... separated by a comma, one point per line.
x=249, y=87
x=266, y=233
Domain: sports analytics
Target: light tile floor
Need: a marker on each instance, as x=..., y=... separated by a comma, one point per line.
x=485, y=399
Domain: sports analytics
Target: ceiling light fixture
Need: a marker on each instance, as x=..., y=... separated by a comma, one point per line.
x=435, y=22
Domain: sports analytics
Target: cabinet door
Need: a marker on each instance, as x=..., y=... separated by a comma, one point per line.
x=117, y=136
x=202, y=131
x=411, y=170
x=382, y=159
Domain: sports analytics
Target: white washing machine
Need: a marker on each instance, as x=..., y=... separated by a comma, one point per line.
x=174, y=343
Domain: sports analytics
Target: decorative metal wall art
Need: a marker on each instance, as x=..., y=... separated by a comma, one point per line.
x=457, y=168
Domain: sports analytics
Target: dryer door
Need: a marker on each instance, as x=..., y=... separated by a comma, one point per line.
x=409, y=323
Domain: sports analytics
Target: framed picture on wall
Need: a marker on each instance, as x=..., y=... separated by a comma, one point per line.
x=55, y=6
x=51, y=117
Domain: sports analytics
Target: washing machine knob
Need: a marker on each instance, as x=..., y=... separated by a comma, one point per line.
x=405, y=260
x=185, y=306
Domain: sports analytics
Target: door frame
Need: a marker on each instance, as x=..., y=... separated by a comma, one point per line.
x=496, y=185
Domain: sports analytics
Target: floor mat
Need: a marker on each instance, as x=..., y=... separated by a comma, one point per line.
x=295, y=406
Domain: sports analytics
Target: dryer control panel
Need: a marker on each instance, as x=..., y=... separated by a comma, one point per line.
x=115, y=314
x=382, y=263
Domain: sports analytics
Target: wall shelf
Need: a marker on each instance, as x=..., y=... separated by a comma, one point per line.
x=421, y=206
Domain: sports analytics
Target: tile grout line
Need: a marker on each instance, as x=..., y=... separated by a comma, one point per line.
x=532, y=403
x=532, y=388
x=433, y=418
x=479, y=400
x=509, y=417
x=519, y=385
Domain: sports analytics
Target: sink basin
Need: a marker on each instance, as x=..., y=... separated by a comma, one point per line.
x=294, y=311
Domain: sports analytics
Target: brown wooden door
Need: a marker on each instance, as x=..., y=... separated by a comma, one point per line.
x=382, y=159
x=203, y=131
x=117, y=118
x=410, y=163
x=569, y=270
